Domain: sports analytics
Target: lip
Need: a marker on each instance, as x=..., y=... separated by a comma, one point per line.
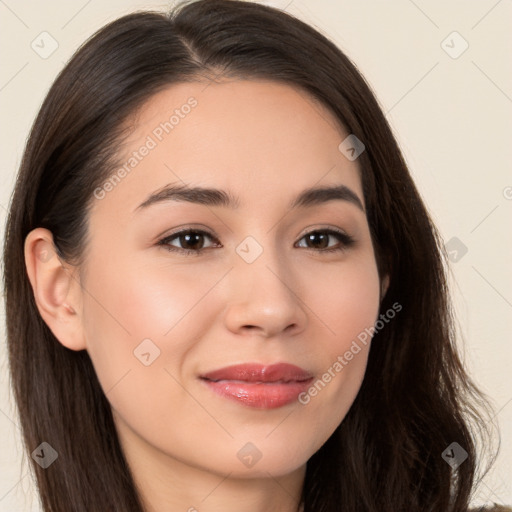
x=259, y=386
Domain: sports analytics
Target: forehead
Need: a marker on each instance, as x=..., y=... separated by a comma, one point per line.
x=262, y=140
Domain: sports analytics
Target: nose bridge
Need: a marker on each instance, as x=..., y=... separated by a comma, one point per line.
x=263, y=288
x=260, y=262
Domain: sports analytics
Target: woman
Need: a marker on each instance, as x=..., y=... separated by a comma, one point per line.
x=186, y=344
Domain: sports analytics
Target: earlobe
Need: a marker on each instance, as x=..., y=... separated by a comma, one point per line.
x=56, y=290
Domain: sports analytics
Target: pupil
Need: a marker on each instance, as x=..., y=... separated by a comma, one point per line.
x=313, y=235
x=188, y=237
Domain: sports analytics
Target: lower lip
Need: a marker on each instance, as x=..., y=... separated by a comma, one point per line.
x=259, y=395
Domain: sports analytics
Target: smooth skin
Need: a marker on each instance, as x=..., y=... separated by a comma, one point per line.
x=263, y=142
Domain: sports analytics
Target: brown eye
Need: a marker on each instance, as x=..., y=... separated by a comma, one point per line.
x=191, y=241
x=319, y=240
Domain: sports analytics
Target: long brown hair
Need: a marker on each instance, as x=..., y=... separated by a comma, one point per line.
x=416, y=398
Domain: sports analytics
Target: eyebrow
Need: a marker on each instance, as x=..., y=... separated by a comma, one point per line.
x=216, y=197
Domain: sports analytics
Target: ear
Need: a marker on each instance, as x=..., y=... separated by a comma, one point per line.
x=384, y=285
x=57, y=291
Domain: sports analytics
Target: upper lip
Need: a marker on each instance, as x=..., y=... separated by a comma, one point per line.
x=255, y=372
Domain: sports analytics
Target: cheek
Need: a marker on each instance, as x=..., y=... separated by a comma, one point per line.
x=135, y=314
x=346, y=301
x=128, y=303
x=348, y=308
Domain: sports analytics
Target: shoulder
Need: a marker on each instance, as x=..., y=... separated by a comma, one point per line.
x=495, y=508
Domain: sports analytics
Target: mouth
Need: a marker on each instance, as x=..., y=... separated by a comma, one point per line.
x=259, y=386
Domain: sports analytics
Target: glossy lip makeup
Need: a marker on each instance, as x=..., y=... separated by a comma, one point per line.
x=259, y=386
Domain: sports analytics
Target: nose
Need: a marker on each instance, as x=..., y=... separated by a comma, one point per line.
x=264, y=297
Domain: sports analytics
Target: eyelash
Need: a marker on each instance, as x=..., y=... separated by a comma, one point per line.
x=346, y=241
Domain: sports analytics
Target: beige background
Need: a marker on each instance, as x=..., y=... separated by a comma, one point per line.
x=452, y=117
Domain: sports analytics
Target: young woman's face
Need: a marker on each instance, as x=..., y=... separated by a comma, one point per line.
x=258, y=286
